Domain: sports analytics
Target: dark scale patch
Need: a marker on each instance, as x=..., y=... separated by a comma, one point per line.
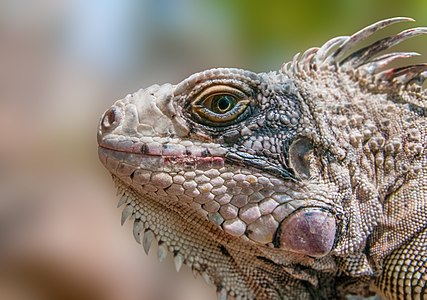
x=166, y=148
x=424, y=289
x=205, y=153
x=224, y=251
x=231, y=137
x=284, y=150
x=421, y=111
x=367, y=249
x=279, y=283
x=284, y=107
x=144, y=149
x=247, y=160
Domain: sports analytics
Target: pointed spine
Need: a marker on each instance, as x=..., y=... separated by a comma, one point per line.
x=206, y=278
x=137, y=227
x=178, y=260
x=162, y=251
x=383, y=60
x=361, y=56
x=147, y=240
x=222, y=294
x=364, y=33
x=123, y=199
x=325, y=50
x=127, y=211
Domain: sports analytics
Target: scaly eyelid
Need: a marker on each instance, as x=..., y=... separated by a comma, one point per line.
x=217, y=90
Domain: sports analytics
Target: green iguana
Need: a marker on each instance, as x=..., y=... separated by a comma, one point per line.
x=305, y=183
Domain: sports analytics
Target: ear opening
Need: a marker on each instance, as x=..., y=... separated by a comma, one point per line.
x=299, y=157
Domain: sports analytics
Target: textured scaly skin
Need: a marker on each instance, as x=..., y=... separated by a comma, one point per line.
x=305, y=183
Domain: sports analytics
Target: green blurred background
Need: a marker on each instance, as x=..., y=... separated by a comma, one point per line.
x=62, y=63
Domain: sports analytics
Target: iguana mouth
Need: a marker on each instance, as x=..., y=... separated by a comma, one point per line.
x=161, y=162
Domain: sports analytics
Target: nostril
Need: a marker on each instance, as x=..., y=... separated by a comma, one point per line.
x=111, y=118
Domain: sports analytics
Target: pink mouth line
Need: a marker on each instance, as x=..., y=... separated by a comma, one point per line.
x=158, y=149
x=157, y=159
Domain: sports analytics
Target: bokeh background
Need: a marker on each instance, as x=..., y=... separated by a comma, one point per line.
x=62, y=63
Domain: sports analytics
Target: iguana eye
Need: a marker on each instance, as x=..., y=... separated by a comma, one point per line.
x=220, y=106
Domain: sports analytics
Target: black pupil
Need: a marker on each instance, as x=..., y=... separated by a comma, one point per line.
x=224, y=103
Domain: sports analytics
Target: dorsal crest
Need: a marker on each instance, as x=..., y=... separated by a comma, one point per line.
x=368, y=64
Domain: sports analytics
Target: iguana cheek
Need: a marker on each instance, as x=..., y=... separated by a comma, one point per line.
x=310, y=231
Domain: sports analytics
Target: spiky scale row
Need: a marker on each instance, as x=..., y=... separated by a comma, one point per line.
x=149, y=237
x=162, y=250
x=334, y=54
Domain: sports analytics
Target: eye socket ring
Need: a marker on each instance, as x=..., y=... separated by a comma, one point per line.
x=220, y=106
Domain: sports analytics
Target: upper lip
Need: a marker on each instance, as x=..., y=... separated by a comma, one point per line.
x=121, y=146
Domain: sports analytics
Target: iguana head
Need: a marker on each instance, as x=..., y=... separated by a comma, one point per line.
x=267, y=160
x=233, y=145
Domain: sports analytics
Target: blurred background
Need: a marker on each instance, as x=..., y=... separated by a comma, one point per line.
x=62, y=63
